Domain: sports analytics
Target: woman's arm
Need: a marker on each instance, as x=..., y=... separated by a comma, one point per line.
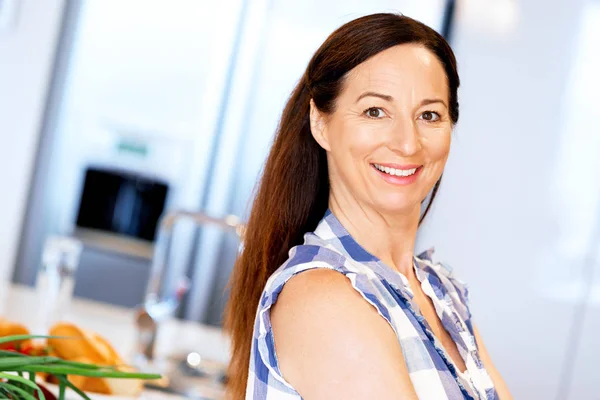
x=501, y=387
x=332, y=344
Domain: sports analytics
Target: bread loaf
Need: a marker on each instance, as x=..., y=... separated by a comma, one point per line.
x=8, y=328
x=84, y=346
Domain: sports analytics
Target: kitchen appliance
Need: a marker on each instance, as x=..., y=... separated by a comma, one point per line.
x=121, y=202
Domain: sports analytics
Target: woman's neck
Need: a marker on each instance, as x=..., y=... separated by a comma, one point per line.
x=391, y=238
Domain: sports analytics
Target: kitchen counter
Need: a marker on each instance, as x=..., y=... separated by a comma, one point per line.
x=116, y=324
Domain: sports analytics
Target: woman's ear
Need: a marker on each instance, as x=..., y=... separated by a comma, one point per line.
x=318, y=127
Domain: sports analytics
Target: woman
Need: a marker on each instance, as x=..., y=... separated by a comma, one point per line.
x=328, y=300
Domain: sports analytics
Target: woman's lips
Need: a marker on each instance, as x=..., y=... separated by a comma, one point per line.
x=396, y=174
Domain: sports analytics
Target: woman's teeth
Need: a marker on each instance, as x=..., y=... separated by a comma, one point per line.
x=394, y=171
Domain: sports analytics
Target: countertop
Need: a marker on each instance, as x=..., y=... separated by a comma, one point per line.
x=116, y=324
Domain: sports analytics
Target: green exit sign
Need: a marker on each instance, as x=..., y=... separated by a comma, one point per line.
x=133, y=148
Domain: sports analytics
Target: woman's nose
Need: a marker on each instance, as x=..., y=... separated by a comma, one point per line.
x=404, y=138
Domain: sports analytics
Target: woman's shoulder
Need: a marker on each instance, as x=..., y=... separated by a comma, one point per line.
x=312, y=254
x=307, y=256
x=331, y=334
x=327, y=267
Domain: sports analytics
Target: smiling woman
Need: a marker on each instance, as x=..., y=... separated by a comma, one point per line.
x=328, y=300
x=391, y=114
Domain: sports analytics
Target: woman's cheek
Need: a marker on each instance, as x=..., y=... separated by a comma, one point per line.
x=363, y=139
x=437, y=144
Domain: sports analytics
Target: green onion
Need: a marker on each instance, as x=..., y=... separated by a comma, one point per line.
x=18, y=387
x=16, y=391
x=25, y=382
x=65, y=382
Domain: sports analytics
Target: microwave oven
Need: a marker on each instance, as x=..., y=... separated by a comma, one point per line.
x=121, y=202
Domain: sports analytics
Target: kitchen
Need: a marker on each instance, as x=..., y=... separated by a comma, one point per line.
x=185, y=106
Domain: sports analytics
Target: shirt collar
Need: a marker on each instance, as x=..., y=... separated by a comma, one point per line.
x=331, y=231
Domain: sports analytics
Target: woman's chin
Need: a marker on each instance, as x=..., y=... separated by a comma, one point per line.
x=399, y=206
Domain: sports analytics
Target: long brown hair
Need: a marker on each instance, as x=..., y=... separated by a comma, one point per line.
x=293, y=192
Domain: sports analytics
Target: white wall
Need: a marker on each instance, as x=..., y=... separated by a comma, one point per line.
x=496, y=220
x=26, y=59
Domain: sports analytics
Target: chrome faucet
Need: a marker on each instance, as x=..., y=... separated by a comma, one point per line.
x=164, y=293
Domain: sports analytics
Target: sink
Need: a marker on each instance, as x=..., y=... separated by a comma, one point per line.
x=189, y=375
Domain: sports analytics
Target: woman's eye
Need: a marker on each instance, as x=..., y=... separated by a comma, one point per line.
x=430, y=116
x=374, y=112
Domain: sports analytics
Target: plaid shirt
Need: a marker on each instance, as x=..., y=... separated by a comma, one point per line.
x=432, y=372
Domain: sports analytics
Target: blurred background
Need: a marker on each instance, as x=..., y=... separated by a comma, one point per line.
x=113, y=112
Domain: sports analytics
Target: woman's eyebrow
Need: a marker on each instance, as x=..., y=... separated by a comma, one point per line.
x=385, y=97
x=431, y=101
x=389, y=98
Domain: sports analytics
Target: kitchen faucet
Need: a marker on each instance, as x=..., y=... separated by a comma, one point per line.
x=164, y=292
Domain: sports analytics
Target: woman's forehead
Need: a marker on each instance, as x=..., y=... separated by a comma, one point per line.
x=398, y=70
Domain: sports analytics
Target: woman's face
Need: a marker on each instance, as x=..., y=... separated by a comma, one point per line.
x=388, y=139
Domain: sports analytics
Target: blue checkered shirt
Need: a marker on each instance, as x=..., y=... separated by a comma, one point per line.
x=432, y=372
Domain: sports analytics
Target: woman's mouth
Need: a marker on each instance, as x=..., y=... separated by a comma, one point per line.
x=395, y=171
x=398, y=175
